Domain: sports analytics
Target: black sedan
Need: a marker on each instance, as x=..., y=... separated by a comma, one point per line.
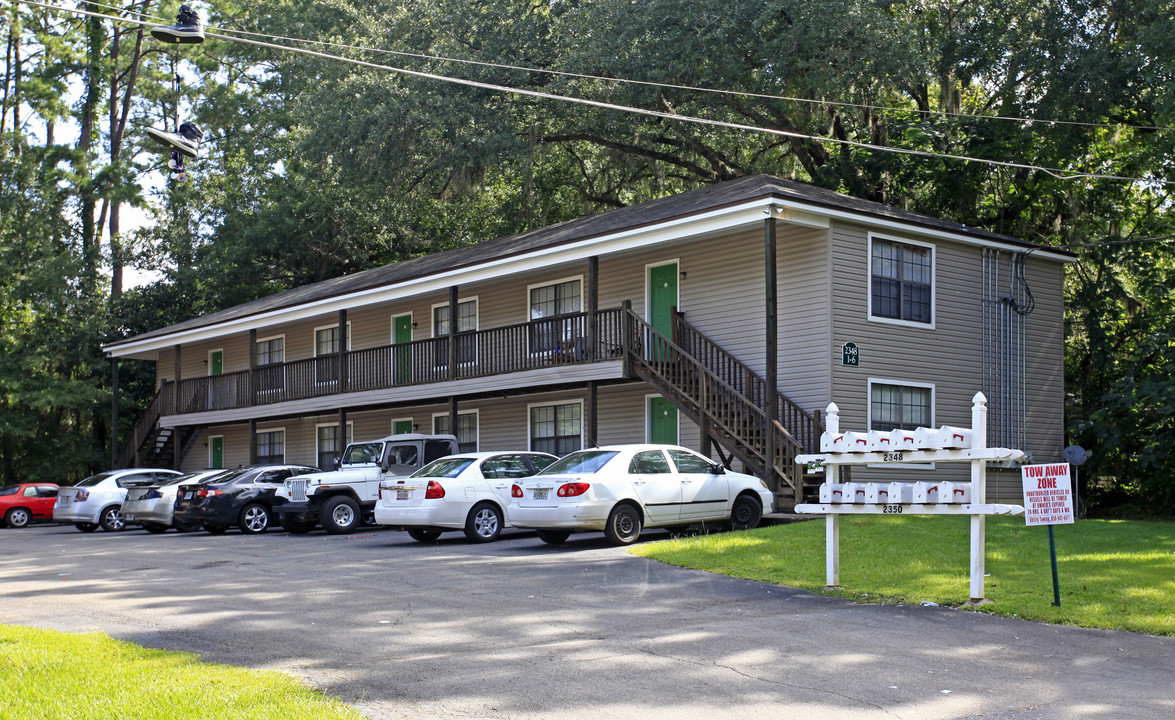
x=242, y=497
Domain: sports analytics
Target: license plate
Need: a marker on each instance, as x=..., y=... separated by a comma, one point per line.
x=402, y=494
x=541, y=494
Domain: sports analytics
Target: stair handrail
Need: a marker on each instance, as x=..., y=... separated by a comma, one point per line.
x=686, y=334
x=140, y=433
x=786, y=446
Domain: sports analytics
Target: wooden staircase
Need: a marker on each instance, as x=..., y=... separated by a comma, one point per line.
x=154, y=446
x=727, y=400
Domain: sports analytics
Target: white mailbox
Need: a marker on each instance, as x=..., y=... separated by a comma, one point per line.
x=953, y=492
x=832, y=442
x=853, y=492
x=878, y=442
x=954, y=438
x=877, y=493
x=925, y=492
x=901, y=492
x=832, y=493
x=856, y=442
x=901, y=439
x=926, y=438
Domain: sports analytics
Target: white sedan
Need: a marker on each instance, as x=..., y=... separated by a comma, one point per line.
x=621, y=488
x=468, y=492
x=97, y=501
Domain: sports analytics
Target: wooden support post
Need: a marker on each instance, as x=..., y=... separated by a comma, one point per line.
x=453, y=417
x=344, y=346
x=175, y=349
x=253, y=441
x=342, y=435
x=770, y=274
x=593, y=426
x=252, y=368
x=626, y=332
x=593, y=307
x=114, y=413
x=453, y=337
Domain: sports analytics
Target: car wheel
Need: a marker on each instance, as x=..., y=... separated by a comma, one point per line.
x=624, y=525
x=484, y=523
x=17, y=518
x=554, y=537
x=154, y=528
x=296, y=524
x=745, y=513
x=185, y=527
x=424, y=535
x=254, y=519
x=111, y=519
x=214, y=528
x=340, y=514
x=86, y=527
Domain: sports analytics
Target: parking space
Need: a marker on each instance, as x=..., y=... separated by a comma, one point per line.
x=520, y=629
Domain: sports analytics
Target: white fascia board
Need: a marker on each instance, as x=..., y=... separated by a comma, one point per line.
x=790, y=207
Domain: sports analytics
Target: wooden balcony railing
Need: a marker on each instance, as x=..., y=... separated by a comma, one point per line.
x=565, y=340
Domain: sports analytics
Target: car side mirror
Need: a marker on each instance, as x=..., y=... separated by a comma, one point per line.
x=718, y=469
x=338, y=462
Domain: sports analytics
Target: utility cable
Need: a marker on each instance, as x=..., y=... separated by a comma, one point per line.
x=1054, y=172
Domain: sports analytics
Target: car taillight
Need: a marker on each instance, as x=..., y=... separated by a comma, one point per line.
x=572, y=489
x=434, y=491
x=209, y=492
x=515, y=491
x=381, y=492
x=82, y=496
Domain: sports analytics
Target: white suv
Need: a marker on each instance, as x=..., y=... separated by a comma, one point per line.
x=97, y=501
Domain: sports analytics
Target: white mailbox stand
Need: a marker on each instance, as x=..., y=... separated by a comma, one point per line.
x=978, y=454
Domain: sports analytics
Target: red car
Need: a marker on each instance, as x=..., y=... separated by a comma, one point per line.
x=22, y=503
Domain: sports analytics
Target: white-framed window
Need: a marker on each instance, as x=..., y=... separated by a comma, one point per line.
x=326, y=352
x=901, y=281
x=556, y=323
x=271, y=447
x=466, y=327
x=328, y=449
x=556, y=428
x=901, y=405
x=270, y=357
x=467, y=439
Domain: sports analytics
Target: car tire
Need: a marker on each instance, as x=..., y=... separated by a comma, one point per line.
x=18, y=518
x=254, y=519
x=214, y=528
x=484, y=523
x=424, y=535
x=340, y=514
x=554, y=537
x=86, y=527
x=624, y=525
x=185, y=527
x=111, y=519
x=155, y=528
x=296, y=525
x=745, y=513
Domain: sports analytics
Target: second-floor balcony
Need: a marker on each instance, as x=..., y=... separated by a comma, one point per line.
x=565, y=340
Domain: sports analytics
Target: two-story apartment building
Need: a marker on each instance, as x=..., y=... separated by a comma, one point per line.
x=724, y=319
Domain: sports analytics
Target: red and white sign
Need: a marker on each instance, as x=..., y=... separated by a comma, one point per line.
x=1048, y=494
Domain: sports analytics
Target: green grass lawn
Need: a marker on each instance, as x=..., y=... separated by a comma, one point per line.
x=49, y=675
x=1115, y=574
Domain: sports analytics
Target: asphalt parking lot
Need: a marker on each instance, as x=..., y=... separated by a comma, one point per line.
x=519, y=629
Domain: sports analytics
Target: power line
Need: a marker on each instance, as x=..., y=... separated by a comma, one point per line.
x=675, y=86
x=1058, y=173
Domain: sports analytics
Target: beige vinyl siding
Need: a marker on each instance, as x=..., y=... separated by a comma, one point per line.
x=805, y=316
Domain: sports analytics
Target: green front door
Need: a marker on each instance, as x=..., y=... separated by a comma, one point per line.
x=662, y=421
x=662, y=298
x=401, y=336
x=216, y=362
x=402, y=427
x=216, y=452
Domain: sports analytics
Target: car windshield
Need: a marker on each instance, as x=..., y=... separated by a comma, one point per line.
x=445, y=467
x=580, y=463
x=9, y=489
x=94, y=479
x=362, y=453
